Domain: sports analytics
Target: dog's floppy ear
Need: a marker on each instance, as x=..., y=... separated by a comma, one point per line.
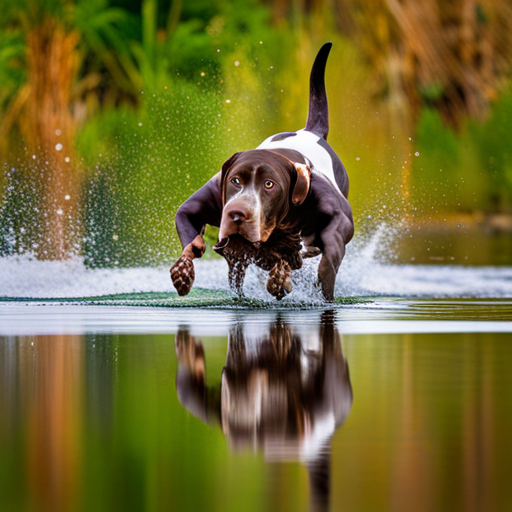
x=301, y=189
x=225, y=169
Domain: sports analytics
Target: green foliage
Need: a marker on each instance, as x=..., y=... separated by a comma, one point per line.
x=106, y=39
x=466, y=171
x=490, y=145
x=12, y=70
x=191, y=51
x=153, y=161
x=176, y=87
x=434, y=164
x=32, y=12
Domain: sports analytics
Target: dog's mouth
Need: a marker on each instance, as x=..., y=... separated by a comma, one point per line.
x=248, y=229
x=234, y=242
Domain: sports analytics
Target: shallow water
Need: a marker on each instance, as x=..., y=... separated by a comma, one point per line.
x=388, y=405
x=359, y=276
x=400, y=399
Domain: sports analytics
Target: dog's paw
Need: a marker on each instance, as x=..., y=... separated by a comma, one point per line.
x=279, y=281
x=183, y=275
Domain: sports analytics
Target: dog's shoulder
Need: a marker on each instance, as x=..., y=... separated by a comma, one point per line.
x=317, y=150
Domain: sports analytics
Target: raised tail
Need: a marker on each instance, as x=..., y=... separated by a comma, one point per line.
x=318, y=114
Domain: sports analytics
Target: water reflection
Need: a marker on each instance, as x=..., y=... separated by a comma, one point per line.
x=41, y=379
x=93, y=422
x=284, y=390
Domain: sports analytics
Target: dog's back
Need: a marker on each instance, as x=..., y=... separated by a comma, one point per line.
x=312, y=140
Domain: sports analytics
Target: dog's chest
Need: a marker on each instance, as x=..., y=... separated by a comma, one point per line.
x=281, y=245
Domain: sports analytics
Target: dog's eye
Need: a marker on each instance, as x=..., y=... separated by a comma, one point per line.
x=235, y=181
x=269, y=184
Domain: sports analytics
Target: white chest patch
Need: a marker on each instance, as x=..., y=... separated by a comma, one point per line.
x=307, y=144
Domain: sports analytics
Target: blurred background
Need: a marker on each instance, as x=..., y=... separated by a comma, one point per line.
x=112, y=112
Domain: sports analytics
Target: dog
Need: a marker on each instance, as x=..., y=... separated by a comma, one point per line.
x=276, y=204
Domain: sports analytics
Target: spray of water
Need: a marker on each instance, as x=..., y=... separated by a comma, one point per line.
x=365, y=272
x=127, y=228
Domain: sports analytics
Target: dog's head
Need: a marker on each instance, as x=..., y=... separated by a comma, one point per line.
x=258, y=189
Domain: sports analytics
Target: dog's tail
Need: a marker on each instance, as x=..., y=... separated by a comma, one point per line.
x=318, y=114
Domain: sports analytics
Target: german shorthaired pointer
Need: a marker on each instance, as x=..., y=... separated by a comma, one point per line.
x=276, y=204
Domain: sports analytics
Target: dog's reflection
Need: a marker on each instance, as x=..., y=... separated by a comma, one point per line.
x=284, y=389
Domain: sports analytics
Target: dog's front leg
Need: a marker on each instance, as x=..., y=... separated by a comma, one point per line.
x=201, y=208
x=279, y=281
x=182, y=272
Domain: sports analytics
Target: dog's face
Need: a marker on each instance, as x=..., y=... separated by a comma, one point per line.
x=258, y=187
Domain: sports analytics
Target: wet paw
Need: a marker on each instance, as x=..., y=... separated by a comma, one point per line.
x=279, y=281
x=183, y=275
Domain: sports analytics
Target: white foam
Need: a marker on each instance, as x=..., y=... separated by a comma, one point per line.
x=361, y=274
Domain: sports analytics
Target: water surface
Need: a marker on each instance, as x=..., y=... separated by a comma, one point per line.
x=400, y=399
x=388, y=405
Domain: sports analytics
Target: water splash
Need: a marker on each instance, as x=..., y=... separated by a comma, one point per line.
x=365, y=272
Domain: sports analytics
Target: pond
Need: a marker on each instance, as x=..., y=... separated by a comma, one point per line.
x=388, y=405
x=397, y=398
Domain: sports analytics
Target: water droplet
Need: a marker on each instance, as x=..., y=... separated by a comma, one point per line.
x=58, y=132
x=58, y=146
x=237, y=63
x=417, y=153
x=228, y=101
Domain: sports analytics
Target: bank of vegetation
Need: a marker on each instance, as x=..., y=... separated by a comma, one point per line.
x=112, y=111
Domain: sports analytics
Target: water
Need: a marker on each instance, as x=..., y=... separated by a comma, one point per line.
x=398, y=400
x=384, y=406
x=365, y=271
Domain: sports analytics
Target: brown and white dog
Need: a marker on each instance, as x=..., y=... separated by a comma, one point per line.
x=278, y=203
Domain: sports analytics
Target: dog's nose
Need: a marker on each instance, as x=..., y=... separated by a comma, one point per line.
x=237, y=217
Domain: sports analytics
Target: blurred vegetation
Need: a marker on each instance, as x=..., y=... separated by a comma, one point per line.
x=113, y=111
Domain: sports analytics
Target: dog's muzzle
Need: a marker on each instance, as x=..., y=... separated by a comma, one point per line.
x=241, y=216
